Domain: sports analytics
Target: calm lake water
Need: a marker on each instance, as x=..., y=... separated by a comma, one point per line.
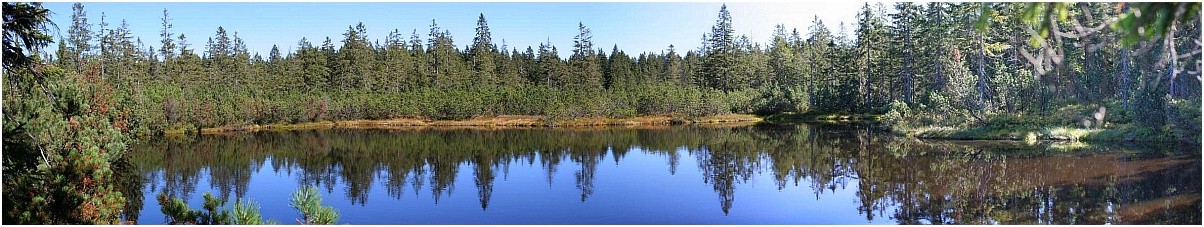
x=792, y=174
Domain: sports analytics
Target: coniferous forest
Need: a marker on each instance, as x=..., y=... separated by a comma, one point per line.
x=931, y=61
x=72, y=102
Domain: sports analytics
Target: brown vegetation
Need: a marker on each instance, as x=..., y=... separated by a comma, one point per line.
x=501, y=121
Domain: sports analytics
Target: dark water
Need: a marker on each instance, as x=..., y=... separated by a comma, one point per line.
x=795, y=174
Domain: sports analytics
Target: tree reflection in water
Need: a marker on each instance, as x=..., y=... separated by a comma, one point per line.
x=906, y=180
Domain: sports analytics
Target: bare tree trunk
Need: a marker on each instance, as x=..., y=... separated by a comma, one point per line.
x=940, y=74
x=907, y=61
x=1125, y=68
x=1015, y=64
x=867, y=83
x=811, y=82
x=1170, y=44
x=983, y=87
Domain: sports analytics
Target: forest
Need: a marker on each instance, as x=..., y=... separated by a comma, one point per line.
x=70, y=109
x=932, y=64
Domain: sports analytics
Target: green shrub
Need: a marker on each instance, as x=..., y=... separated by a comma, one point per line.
x=62, y=140
x=1185, y=120
x=178, y=213
x=308, y=204
x=247, y=213
x=1148, y=110
x=896, y=113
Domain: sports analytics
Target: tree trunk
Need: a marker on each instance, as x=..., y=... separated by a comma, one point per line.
x=983, y=89
x=940, y=73
x=1125, y=68
x=1170, y=45
x=907, y=61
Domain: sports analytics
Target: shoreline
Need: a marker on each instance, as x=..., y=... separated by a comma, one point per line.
x=1045, y=134
x=1048, y=134
x=501, y=121
x=1118, y=133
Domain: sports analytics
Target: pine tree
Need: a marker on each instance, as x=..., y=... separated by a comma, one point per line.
x=397, y=63
x=720, y=52
x=353, y=69
x=781, y=59
x=446, y=63
x=313, y=66
x=870, y=78
x=331, y=60
x=904, y=22
x=482, y=55
x=549, y=66
x=80, y=37
x=619, y=71
x=584, y=62
x=674, y=68
x=167, y=49
x=168, y=45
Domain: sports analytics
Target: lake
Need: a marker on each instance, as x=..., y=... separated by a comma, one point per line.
x=765, y=174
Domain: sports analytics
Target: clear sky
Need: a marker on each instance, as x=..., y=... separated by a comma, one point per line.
x=634, y=26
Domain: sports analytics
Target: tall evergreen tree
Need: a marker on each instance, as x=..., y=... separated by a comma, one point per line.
x=587, y=72
x=674, y=68
x=353, y=69
x=720, y=54
x=904, y=22
x=422, y=67
x=782, y=61
x=819, y=61
x=482, y=54
x=397, y=70
x=80, y=36
x=446, y=63
x=313, y=66
x=619, y=71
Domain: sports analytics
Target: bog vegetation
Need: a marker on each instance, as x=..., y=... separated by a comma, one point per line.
x=305, y=200
x=68, y=115
x=932, y=64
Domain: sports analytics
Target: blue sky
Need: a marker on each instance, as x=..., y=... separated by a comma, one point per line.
x=634, y=27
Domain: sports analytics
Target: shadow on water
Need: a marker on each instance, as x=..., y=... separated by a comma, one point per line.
x=906, y=180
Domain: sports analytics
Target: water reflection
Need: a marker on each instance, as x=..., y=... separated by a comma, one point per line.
x=904, y=180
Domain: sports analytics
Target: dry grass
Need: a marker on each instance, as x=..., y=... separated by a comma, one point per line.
x=502, y=121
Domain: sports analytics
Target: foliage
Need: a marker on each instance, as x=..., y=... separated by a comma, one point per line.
x=62, y=138
x=896, y=112
x=25, y=27
x=247, y=213
x=66, y=124
x=178, y=213
x=63, y=134
x=958, y=75
x=309, y=207
x=1149, y=20
x=1185, y=120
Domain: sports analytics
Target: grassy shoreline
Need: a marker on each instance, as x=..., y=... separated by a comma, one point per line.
x=1123, y=133
x=1052, y=133
x=1119, y=134
x=502, y=121
x=823, y=118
